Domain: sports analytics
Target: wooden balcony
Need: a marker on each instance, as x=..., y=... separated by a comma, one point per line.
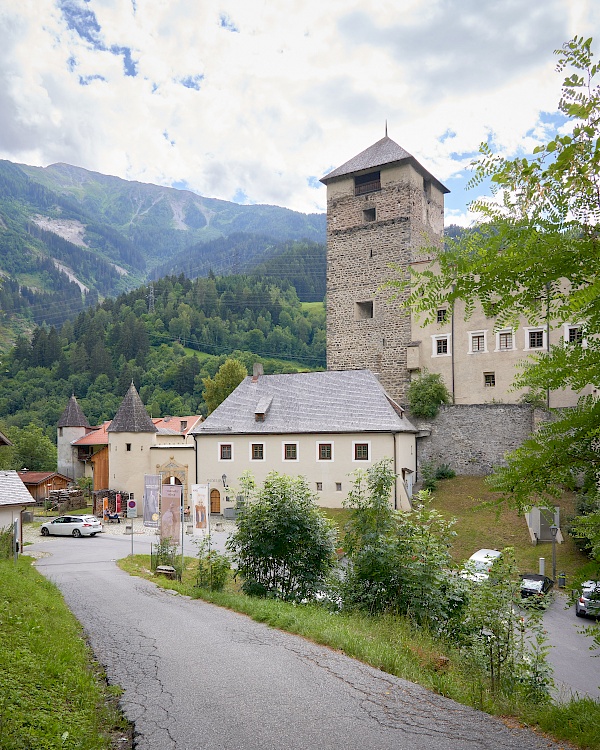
x=367, y=187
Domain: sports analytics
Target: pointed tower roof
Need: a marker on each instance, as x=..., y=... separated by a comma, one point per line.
x=132, y=416
x=73, y=415
x=384, y=152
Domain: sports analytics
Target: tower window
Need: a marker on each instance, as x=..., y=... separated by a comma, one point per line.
x=369, y=214
x=364, y=310
x=128, y=446
x=367, y=183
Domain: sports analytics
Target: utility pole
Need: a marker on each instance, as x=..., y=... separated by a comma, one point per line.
x=151, y=299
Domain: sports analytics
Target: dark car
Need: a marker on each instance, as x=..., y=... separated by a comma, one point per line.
x=588, y=603
x=535, y=584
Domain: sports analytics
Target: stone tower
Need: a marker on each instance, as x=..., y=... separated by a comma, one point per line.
x=382, y=206
x=72, y=425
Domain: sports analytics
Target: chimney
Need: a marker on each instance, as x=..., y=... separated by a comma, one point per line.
x=257, y=371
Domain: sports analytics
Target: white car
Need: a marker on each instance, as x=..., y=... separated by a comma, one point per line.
x=477, y=568
x=588, y=603
x=72, y=526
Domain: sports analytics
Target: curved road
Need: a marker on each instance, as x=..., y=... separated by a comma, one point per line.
x=198, y=676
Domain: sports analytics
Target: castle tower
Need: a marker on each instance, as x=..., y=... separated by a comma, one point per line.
x=382, y=206
x=72, y=425
x=129, y=445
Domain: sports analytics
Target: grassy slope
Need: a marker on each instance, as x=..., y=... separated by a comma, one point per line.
x=480, y=527
x=51, y=691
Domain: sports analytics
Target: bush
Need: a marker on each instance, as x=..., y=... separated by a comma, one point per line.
x=283, y=546
x=6, y=543
x=426, y=393
x=213, y=567
x=431, y=474
x=398, y=562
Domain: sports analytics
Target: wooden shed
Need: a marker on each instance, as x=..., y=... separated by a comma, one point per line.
x=39, y=483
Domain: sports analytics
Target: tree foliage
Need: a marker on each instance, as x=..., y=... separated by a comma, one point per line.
x=536, y=255
x=230, y=375
x=426, y=394
x=283, y=546
x=31, y=449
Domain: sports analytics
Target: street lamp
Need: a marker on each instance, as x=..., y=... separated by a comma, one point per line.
x=224, y=480
x=554, y=532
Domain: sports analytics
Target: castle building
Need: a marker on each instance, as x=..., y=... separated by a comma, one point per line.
x=120, y=452
x=383, y=209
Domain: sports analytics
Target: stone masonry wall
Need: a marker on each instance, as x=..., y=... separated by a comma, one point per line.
x=359, y=256
x=473, y=438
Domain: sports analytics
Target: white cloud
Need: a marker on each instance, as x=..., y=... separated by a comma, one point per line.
x=252, y=97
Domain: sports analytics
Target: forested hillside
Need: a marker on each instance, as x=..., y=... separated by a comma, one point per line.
x=165, y=337
x=69, y=237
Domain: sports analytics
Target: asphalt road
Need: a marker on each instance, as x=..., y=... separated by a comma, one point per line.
x=198, y=676
x=576, y=667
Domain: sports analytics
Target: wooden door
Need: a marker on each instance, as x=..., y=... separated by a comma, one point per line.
x=215, y=501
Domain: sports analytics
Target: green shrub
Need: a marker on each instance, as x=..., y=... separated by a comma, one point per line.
x=213, y=567
x=443, y=471
x=426, y=393
x=6, y=543
x=283, y=546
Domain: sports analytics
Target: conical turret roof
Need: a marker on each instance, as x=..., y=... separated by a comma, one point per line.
x=73, y=415
x=384, y=152
x=132, y=416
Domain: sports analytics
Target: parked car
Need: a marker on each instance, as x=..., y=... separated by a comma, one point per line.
x=72, y=526
x=588, y=603
x=478, y=566
x=535, y=584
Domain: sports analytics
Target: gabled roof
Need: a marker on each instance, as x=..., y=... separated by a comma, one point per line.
x=37, y=477
x=73, y=415
x=384, y=152
x=310, y=402
x=175, y=425
x=94, y=436
x=132, y=416
x=12, y=490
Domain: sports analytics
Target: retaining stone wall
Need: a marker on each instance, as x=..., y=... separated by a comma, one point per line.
x=473, y=438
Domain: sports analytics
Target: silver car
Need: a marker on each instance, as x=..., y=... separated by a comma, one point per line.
x=589, y=600
x=72, y=526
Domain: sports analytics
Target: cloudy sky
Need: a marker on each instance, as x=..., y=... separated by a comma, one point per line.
x=255, y=100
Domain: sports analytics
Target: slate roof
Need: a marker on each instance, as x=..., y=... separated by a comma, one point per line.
x=132, y=416
x=311, y=402
x=12, y=490
x=385, y=151
x=73, y=415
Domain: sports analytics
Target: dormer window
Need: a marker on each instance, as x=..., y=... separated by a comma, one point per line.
x=183, y=425
x=367, y=183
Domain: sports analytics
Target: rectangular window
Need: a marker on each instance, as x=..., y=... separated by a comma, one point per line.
x=505, y=341
x=477, y=342
x=319, y=486
x=442, y=346
x=575, y=335
x=489, y=379
x=364, y=310
x=325, y=452
x=338, y=486
x=536, y=339
x=225, y=451
x=361, y=451
x=442, y=315
x=127, y=446
x=369, y=214
x=290, y=451
x=257, y=452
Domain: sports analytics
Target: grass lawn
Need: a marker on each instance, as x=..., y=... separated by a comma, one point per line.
x=480, y=527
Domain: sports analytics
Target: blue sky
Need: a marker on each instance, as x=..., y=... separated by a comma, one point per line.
x=254, y=101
